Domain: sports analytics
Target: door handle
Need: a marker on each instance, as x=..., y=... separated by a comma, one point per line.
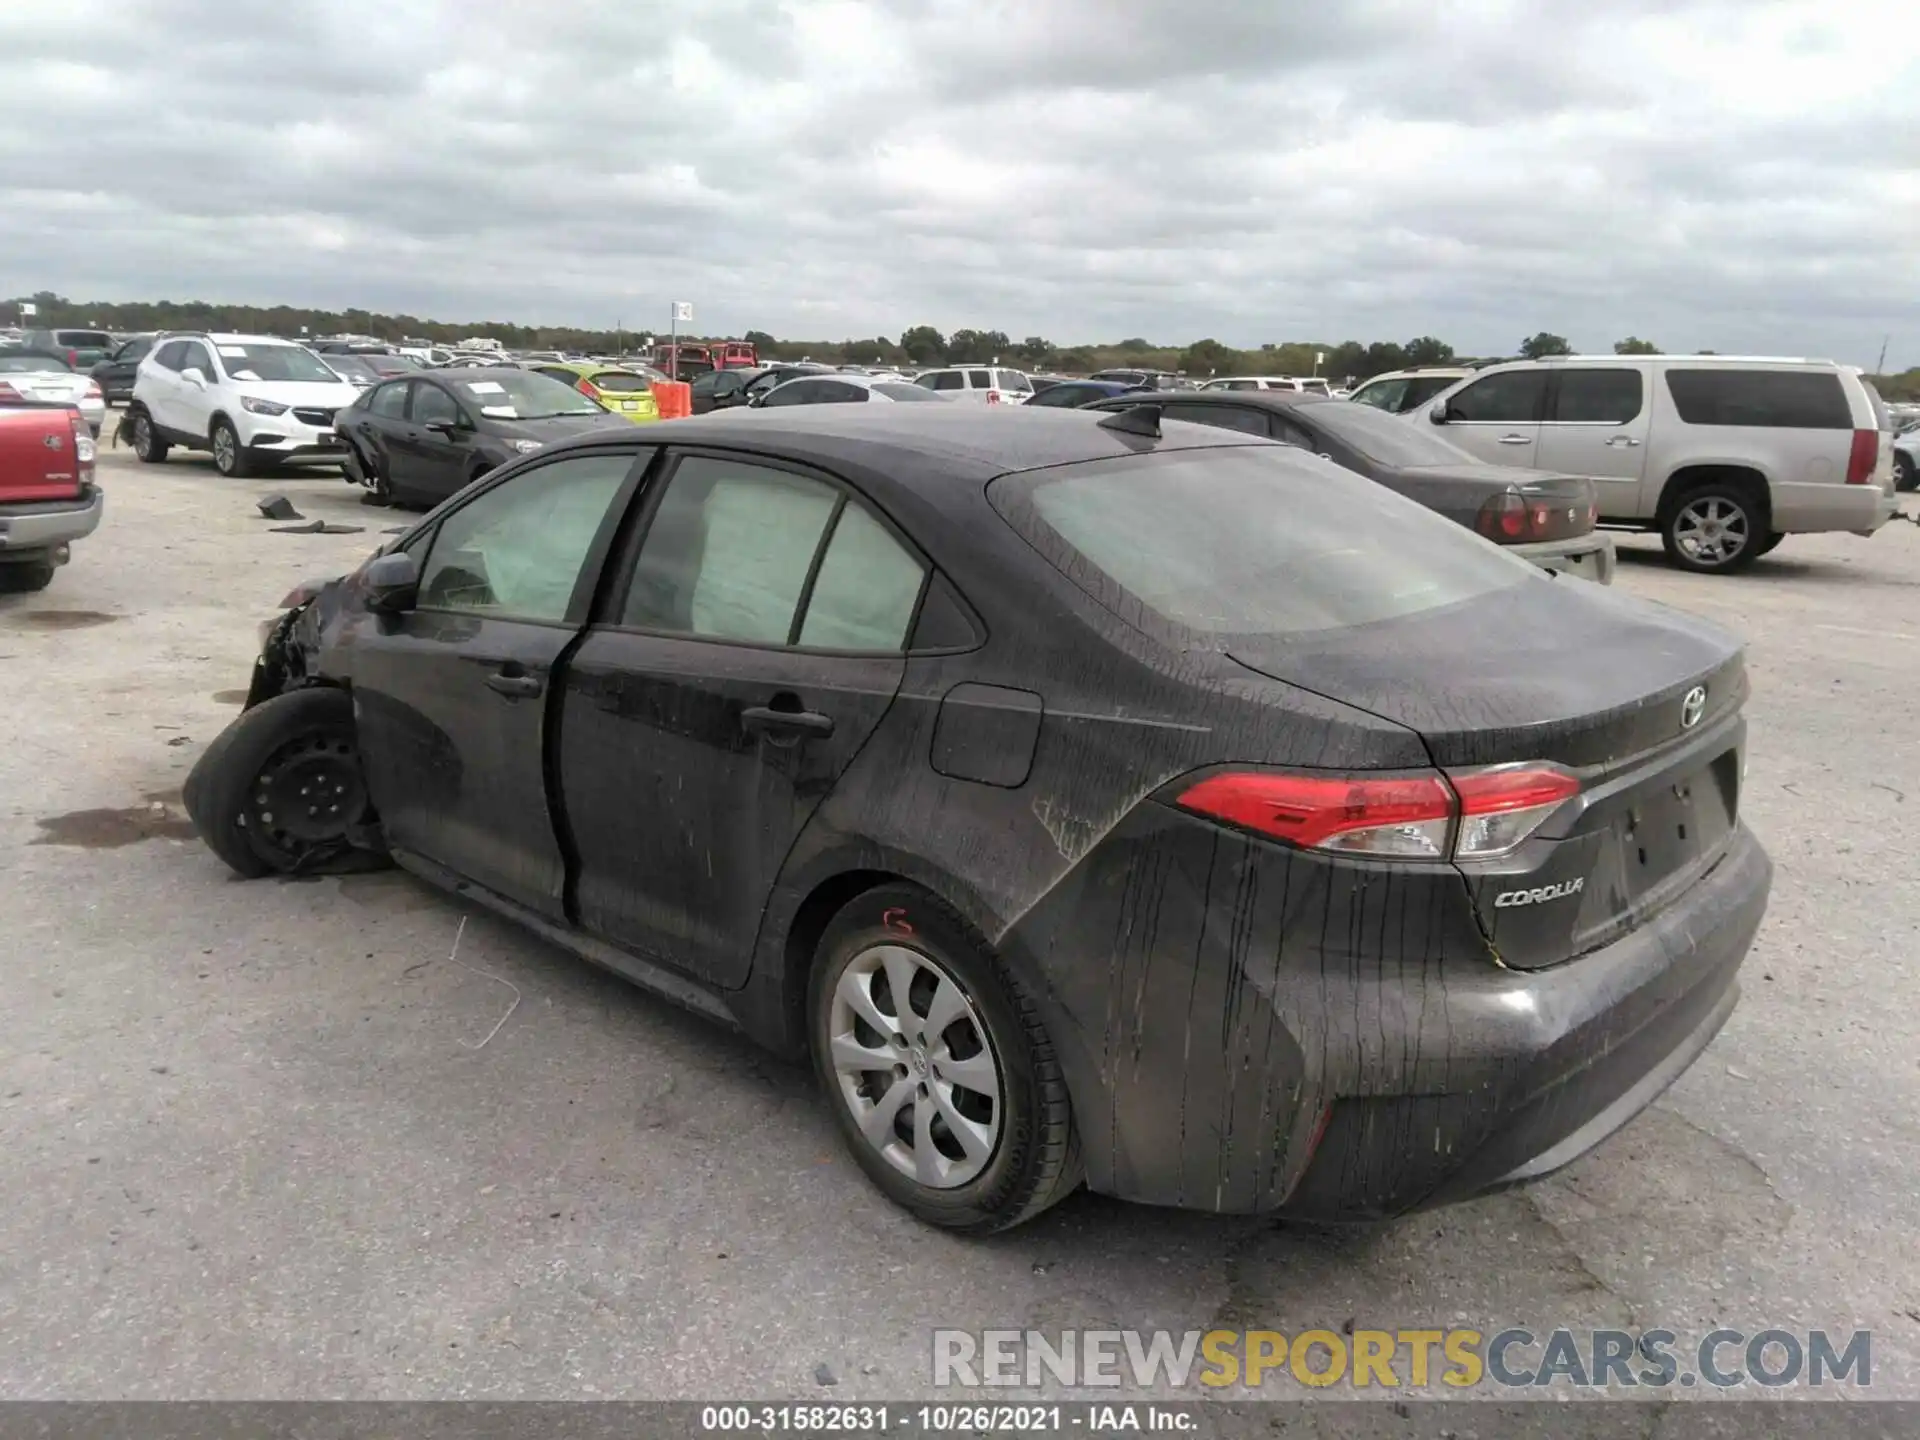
x=515, y=685
x=1623, y=442
x=765, y=719
x=1516, y=439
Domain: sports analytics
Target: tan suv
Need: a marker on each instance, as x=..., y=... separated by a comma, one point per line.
x=1723, y=456
x=1399, y=391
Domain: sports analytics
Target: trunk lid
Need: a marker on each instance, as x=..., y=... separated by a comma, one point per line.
x=1643, y=703
x=38, y=455
x=1556, y=507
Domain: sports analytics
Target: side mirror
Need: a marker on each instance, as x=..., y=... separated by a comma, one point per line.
x=194, y=376
x=448, y=428
x=1440, y=413
x=392, y=583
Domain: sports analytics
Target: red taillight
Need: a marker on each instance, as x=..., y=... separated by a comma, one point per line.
x=993, y=397
x=1464, y=815
x=588, y=389
x=1503, y=519
x=73, y=357
x=1864, y=457
x=1513, y=517
x=7, y=392
x=94, y=392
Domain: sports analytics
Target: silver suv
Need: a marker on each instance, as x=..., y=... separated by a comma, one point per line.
x=1723, y=456
x=1399, y=391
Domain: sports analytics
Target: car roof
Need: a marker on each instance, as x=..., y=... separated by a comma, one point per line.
x=927, y=445
x=1272, y=399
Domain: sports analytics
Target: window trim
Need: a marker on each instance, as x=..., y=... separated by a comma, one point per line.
x=611, y=600
x=641, y=457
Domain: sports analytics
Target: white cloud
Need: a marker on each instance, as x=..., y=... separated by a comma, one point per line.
x=1710, y=173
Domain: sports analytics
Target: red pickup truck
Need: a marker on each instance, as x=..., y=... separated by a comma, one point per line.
x=47, y=495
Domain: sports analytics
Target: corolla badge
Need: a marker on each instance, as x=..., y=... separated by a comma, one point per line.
x=1693, y=707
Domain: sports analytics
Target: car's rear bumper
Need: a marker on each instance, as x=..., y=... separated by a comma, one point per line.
x=1804, y=507
x=1591, y=557
x=43, y=525
x=1245, y=1029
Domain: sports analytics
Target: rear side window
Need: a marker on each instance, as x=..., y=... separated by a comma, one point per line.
x=868, y=585
x=1250, y=540
x=1769, y=399
x=980, y=379
x=948, y=380
x=86, y=339
x=171, y=355
x=1597, y=397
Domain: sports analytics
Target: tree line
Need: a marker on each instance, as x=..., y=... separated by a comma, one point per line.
x=918, y=345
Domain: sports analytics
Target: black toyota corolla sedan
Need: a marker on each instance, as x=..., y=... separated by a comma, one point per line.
x=1092, y=798
x=1544, y=517
x=416, y=439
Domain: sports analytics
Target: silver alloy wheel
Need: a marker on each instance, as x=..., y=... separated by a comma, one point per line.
x=142, y=436
x=915, y=1066
x=1711, y=530
x=225, y=449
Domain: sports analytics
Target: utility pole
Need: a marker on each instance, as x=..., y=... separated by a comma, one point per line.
x=1880, y=365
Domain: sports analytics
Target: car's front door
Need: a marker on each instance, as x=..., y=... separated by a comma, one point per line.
x=1497, y=417
x=195, y=398
x=376, y=424
x=1596, y=425
x=433, y=452
x=453, y=699
x=756, y=644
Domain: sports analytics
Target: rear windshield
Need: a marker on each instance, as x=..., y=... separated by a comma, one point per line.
x=1769, y=399
x=619, y=382
x=1399, y=396
x=1381, y=438
x=85, y=339
x=1254, y=540
x=1882, y=418
x=30, y=362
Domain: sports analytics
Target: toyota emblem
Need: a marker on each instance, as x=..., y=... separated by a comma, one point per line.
x=1693, y=707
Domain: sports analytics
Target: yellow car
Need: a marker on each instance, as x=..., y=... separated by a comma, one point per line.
x=627, y=393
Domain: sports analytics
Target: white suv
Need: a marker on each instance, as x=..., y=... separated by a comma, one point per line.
x=984, y=384
x=250, y=399
x=1723, y=456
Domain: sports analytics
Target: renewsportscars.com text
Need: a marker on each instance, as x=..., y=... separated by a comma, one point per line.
x=1512, y=1358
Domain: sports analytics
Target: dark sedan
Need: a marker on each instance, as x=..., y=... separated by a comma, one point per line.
x=416, y=440
x=1071, y=394
x=1091, y=799
x=115, y=374
x=1549, y=519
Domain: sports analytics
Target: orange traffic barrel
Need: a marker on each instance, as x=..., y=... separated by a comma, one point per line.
x=674, y=397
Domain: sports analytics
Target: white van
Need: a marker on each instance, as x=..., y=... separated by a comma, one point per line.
x=1723, y=456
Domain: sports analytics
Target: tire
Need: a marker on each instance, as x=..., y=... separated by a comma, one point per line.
x=1905, y=475
x=1027, y=1157
x=1713, y=529
x=24, y=579
x=230, y=457
x=243, y=792
x=147, y=444
x=1768, y=545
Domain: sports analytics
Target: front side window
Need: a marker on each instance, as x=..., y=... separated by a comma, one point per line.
x=389, y=400
x=515, y=551
x=134, y=350
x=1064, y=396
x=1514, y=398
x=433, y=406
x=1596, y=397
x=1251, y=540
x=728, y=552
x=1014, y=382
x=198, y=358
x=980, y=379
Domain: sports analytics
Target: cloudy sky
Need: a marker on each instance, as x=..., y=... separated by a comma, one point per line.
x=1740, y=176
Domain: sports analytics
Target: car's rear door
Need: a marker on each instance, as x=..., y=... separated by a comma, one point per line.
x=755, y=643
x=1596, y=425
x=453, y=699
x=1497, y=417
